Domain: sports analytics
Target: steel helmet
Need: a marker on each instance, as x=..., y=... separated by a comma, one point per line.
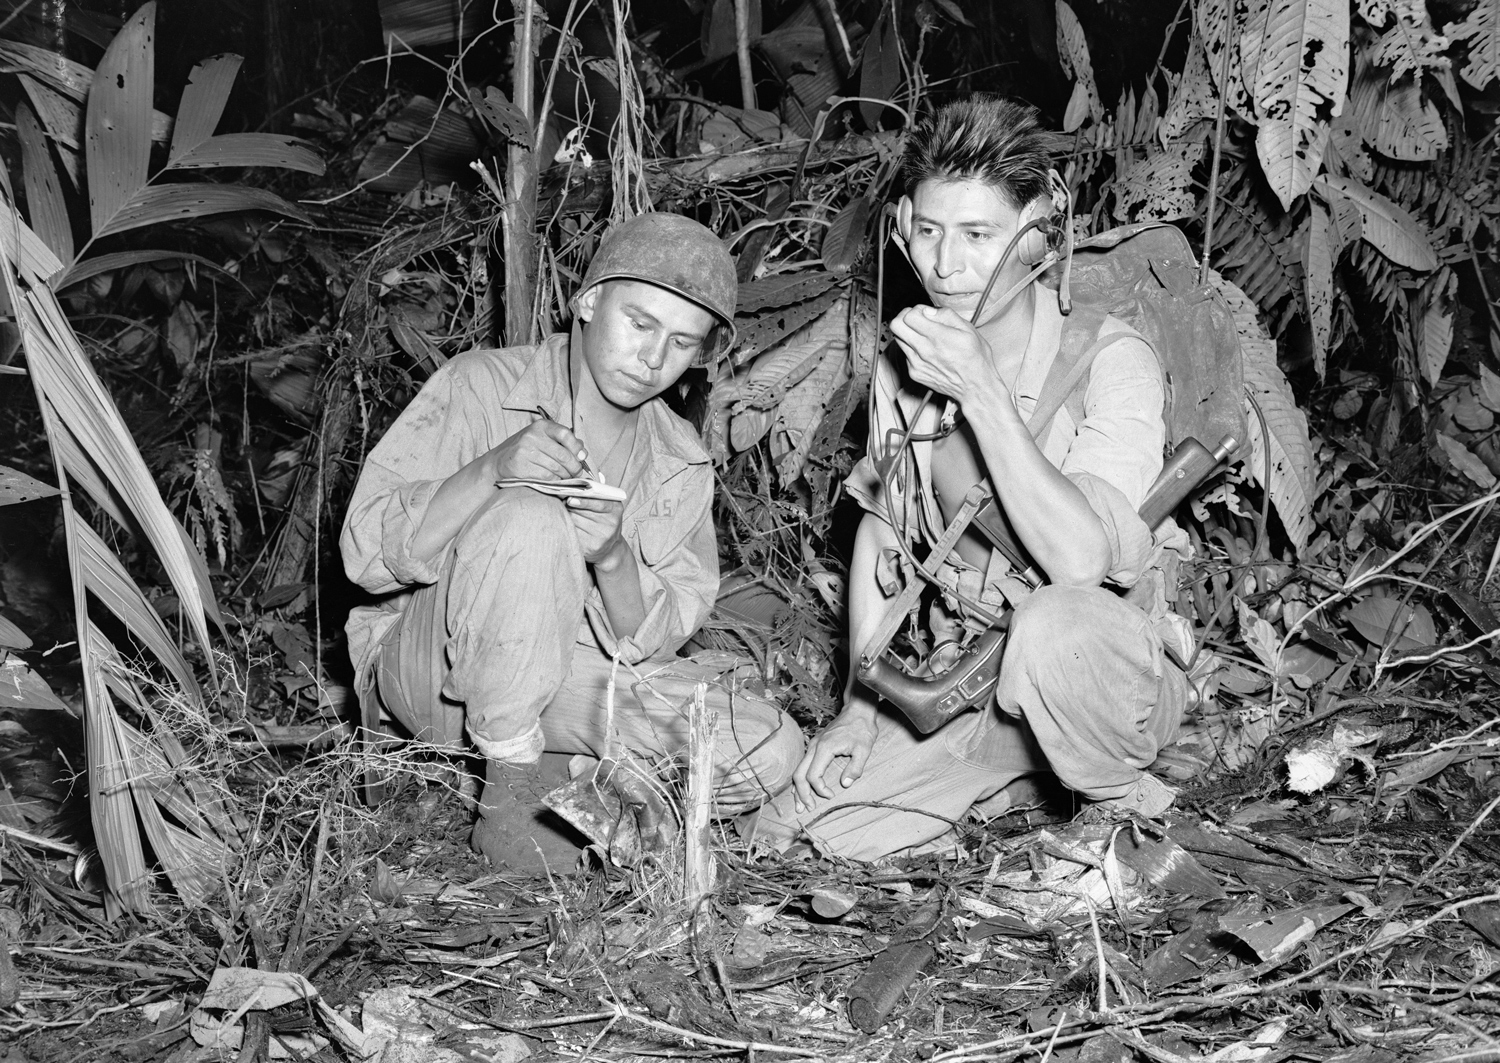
x=675, y=253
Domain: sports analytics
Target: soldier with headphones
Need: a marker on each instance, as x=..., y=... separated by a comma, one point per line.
x=1085, y=690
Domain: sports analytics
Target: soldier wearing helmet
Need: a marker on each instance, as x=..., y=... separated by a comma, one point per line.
x=505, y=612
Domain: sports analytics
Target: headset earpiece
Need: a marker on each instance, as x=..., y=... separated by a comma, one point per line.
x=1033, y=246
x=1055, y=210
x=901, y=212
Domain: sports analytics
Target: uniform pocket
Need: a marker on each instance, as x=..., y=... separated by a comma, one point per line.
x=656, y=538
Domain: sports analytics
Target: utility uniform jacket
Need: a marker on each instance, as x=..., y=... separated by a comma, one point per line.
x=471, y=405
x=1113, y=455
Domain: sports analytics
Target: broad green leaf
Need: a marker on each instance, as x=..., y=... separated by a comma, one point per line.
x=505, y=117
x=250, y=149
x=1161, y=187
x=203, y=103
x=1220, y=31
x=92, y=267
x=61, y=117
x=1463, y=460
x=44, y=194
x=1432, y=318
x=1192, y=96
x=1288, y=450
x=1384, y=225
x=1392, y=116
x=67, y=77
x=800, y=413
x=176, y=202
x=1259, y=637
x=1411, y=46
x=117, y=128
x=16, y=486
x=21, y=688
x=1403, y=627
x=1073, y=50
x=63, y=121
x=1408, y=126
x=1317, y=266
x=846, y=236
x=1300, y=82
x=1481, y=28
x=879, y=70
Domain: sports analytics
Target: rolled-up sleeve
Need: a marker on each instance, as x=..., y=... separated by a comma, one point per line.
x=429, y=442
x=1117, y=452
x=679, y=570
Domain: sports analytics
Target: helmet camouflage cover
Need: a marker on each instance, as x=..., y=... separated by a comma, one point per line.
x=675, y=253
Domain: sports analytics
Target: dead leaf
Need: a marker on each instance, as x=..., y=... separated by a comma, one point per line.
x=831, y=903
x=1275, y=937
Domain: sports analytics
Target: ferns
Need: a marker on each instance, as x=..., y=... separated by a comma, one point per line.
x=1254, y=245
x=1457, y=191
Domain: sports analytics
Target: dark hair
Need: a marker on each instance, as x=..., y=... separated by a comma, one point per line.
x=982, y=138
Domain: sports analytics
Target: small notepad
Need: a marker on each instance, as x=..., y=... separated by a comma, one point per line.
x=577, y=487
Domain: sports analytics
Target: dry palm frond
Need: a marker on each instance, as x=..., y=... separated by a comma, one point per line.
x=92, y=448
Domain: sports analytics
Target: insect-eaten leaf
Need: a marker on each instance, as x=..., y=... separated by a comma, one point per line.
x=502, y=115
x=16, y=486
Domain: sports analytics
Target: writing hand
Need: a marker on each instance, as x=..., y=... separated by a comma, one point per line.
x=543, y=450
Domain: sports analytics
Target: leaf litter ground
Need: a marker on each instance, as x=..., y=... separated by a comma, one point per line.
x=1361, y=922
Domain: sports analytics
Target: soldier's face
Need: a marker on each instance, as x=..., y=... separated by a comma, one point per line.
x=958, y=231
x=638, y=338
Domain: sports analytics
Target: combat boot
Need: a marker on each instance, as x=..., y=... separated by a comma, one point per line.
x=515, y=830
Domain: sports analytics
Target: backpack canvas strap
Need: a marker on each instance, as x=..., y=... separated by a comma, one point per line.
x=1081, y=344
x=1075, y=352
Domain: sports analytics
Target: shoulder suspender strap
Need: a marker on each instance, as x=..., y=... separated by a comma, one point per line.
x=1080, y=345
x=1074, y=352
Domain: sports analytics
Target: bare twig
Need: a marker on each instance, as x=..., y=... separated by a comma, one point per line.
x=742, y=52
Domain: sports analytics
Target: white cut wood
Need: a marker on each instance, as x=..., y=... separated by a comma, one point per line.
x=697, y=819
